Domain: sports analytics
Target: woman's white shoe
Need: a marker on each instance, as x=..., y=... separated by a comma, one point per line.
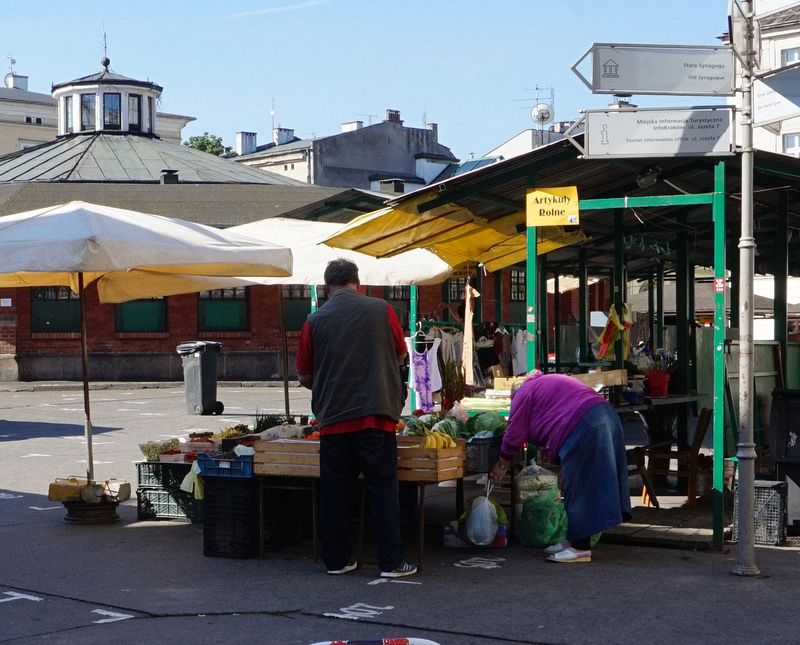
x=555, y=548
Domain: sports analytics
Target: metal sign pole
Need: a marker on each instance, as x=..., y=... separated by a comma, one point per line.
x=746, y=454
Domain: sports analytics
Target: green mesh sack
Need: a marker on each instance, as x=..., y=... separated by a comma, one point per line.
x=543, y=520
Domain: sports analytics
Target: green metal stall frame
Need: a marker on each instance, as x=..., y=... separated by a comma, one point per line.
x=716, y=200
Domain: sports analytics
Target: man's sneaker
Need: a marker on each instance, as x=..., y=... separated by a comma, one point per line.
x=555, y=548
x=570, y=555
x=350, y=566
x=405, y=569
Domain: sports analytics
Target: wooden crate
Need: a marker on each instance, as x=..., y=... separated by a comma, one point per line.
x=429, y=464
x=605, y=378
x=290, y=457
x=300, y=458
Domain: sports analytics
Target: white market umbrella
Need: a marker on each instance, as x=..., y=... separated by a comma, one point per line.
x=77, y=243
x=310, y=257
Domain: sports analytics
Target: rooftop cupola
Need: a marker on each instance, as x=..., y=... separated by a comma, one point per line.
x=107, y=102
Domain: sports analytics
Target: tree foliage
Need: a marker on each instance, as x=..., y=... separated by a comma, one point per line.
x=208, y=143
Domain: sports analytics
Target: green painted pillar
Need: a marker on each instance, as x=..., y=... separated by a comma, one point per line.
x=314, y=302
x=718, y=214
x=531, y=282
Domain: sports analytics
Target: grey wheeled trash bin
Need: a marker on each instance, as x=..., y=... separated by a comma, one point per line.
x=200, y=376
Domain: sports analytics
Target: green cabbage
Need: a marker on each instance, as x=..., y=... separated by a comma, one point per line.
x=485, y=422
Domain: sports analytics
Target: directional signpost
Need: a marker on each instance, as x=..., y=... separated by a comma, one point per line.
x=776, y=95
x=656, y=132
x=703, y=70
x=623, y=132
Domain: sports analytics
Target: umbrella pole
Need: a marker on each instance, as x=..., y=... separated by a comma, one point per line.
x=87, y=426
x=284, y=350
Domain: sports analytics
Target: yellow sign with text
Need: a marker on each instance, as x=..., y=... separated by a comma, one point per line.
x=552, y=206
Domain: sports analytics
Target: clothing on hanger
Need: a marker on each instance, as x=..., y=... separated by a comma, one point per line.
x=424, y=376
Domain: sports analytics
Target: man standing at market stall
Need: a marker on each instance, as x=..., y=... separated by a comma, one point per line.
x=348, y=355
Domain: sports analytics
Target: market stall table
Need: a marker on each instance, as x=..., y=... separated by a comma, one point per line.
x=299, y=458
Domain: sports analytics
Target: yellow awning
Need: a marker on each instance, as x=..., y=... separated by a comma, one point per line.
x=453, y=232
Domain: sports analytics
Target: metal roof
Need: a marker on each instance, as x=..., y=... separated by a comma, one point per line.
x=212, y=204
x=499, y=189
x=107, y=77
x=124, y=157
x=24, y=96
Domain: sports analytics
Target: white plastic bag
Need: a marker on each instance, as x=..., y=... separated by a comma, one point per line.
x=481, y=524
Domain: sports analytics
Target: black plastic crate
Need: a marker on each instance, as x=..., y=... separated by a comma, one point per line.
x=481, y=454
x=230, y=527
x=784, y=426
x=159, y=504
x=161, y=474
x=287, y=511
x=769, y=512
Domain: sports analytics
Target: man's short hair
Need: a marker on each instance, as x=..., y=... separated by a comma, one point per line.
x=340, y=272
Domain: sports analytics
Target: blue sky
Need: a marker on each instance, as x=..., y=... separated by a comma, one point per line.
x=471, y=66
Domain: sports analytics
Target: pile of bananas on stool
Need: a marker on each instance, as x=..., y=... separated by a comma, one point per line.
x=437, y=439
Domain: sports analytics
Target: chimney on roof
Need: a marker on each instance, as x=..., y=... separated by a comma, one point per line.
x=282, y=135
x=244, y=143
x=393, y=116
x=433, y=127
x=16, y=82
x=352, y=126
x=169, y=176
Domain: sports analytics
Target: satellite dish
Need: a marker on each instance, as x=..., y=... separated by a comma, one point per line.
x=542, y=113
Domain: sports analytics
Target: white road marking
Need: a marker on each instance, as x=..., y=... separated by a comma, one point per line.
x=7, y=436
x=112, y=616
x=44, y=508
x=9, y=496
x=480, y=563
x=127, y=410
x=152, y=414
x=96, y=463
x=399, y=582
x=13, y=595
x=359, y=610
x=34, y=454
x=71, y=409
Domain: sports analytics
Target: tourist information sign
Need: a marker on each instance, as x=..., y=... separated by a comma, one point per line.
x=703, y=70
x=655, y=132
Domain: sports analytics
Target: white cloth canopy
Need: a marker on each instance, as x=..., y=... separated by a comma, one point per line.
x=310, y=257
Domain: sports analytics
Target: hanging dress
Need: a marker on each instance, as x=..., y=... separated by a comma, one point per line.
x=424, y=376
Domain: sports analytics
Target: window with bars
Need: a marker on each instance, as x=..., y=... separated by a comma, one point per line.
x=399, y=293
x=112, y=111
x=224, y=310
x=400, y=299
x=297, y=304
x=54, y=309
x=146, y=315
x=517, y=285
x=455, y=289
